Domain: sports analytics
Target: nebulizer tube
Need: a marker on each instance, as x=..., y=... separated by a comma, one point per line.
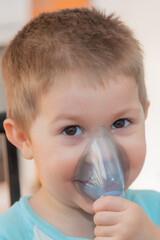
x=103, y=168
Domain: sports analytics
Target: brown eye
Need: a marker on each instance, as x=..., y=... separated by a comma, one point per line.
x=120, y=123
x=72, y=131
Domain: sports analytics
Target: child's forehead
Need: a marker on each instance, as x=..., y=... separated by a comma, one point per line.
x=76, y=88
x=82, y=88
x=74, y=101
x=88, y=79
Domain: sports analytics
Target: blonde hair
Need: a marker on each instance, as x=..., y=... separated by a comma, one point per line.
x=56, y=43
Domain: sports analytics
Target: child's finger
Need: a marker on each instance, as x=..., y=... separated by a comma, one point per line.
x=107, y=218
x=110, y=203
x=104, y=238
x=104, y=231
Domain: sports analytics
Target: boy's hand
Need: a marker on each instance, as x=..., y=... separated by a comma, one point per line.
x=120, y=219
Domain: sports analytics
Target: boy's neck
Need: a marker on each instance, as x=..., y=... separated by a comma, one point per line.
x=69, y=221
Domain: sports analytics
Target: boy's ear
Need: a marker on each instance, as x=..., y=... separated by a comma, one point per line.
x=18, y=138
x=146, y=110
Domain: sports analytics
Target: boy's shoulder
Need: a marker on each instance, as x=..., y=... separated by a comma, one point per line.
x=142, y=194
x=13, y=222
x=148, y=200
x=21, y=222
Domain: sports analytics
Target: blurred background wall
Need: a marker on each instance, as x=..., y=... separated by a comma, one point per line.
x=144, y=18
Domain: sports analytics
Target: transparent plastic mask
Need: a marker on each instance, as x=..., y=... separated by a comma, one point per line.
x=103, y=168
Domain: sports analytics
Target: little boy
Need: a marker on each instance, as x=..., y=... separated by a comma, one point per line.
x=66, y=74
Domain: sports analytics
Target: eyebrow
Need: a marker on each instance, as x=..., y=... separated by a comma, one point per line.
x=78, y=117
x=135, y=111
x=64, y=116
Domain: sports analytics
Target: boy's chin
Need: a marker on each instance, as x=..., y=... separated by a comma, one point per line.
x=86, y=206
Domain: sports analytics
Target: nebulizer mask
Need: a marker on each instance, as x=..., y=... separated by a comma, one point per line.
x=103, y=168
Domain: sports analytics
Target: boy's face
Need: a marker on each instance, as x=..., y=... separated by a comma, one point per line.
x=69, y=112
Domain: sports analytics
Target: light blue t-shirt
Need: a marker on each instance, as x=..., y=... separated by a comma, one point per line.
x=20, y=222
